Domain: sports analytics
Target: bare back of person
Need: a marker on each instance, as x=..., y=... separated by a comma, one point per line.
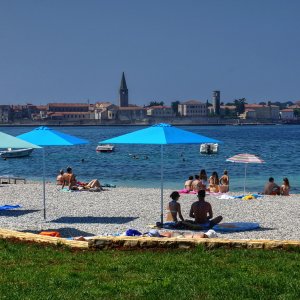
x=202, y=211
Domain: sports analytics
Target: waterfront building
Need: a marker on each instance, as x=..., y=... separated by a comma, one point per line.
x=130, y=113
x=288, y=114
x=123, y=100
x=260, y=111
x=68, y=107
x=160, y=111
x=192, y=108
x=105, y=111
x=5, y=114
x=71, y=116
x=216, y=102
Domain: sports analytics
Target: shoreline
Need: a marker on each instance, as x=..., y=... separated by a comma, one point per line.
x=115, y=210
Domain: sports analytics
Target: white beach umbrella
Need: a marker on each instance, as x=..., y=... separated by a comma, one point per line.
x=246, y=159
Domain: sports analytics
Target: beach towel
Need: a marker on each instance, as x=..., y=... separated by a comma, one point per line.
x=185, y=191
x=235, y=227
x=7, y=207
x=248, y=196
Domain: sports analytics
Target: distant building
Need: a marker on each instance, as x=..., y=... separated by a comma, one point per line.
x=160, y=111
x=216, y=102
x=123, y=101
x=5, y=114
x=287, y=114
x=130, y=113
x=68, y=107
x=105, y=111
x=192, y=108
x=259, y=111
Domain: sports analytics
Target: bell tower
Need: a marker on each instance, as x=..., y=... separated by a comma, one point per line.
x=123, y=101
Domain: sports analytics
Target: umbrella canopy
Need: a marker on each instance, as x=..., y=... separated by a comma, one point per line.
x=160, y=134
x=246, y=159
x=45, y=136
x=9, y=141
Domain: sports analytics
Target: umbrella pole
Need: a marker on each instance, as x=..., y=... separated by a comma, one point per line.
x=44, y=186
x=161, y=184
x=245, y=179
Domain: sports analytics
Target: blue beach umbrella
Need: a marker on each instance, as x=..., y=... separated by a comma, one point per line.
x=161, y=134
x=44, y=136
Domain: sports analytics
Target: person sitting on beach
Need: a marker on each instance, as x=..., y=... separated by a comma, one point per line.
x=271, y=188
x=202, y=212
x=59, y=178
x=174, y=208
x=285, y=187
x=214, y=182
x=224, y=183
x=69, y=179
x=203, y=179
x=188, y=184
x=196, y=184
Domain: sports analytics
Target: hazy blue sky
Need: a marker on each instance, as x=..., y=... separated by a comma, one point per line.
x=71, y=51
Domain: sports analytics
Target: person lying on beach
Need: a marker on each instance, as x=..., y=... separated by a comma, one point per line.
x=174, y=208
x=188, y=184
x=285, y=187
x=224, y=183
x=59, y=178
x=202, y=212
x=271, y=188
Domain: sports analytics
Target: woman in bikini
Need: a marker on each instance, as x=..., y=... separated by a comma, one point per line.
x=174, y=208
x=224, y=183
x=203, y=179
x=214, y=182
x=285, y=187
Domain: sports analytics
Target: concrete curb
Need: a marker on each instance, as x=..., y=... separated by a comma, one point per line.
x=130, y=243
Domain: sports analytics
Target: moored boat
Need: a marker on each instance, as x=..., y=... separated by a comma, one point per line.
x=209, y=148
x=15, y=153
x=105, y=148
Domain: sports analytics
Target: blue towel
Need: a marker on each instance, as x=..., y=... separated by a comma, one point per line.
x=7, y=207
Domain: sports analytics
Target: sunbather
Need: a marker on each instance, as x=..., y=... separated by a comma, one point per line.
x=224, y=183
x=285, y=187
x=188, y=184
x=174, y=208
x=201, y=211
x=59, y=178
x=271, y=188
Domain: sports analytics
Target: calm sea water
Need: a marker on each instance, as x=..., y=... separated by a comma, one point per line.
x=277, y=145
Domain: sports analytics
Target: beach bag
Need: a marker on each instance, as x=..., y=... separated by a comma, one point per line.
x=51, y=233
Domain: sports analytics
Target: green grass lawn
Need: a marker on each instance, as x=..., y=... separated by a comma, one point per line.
x=39, y=272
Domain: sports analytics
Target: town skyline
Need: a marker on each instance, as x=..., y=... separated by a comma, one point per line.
x=75, y=51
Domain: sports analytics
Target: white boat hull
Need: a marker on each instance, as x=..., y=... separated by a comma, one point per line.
x=16, y=153
x=105, y=148
x=209, y=148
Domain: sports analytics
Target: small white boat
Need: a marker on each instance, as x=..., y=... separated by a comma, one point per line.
x=209, y=148
x=105, y=148
x=14, y=153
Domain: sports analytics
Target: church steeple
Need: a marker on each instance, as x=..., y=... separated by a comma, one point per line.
x=123, y=102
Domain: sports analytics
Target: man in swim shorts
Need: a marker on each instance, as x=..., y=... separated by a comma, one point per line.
x=201, y=211
x=271, y=188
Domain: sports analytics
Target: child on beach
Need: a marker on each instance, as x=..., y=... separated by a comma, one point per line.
x=174, y=208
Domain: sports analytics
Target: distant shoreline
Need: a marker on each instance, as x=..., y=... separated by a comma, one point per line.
x=67, y=124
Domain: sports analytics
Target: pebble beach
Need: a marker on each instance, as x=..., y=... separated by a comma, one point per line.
x=115, y=210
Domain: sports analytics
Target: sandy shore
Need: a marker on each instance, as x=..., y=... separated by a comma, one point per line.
x=118, y=209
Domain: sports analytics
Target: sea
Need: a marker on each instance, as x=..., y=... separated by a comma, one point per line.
x=140, y=165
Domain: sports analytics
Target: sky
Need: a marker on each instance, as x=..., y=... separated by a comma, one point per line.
x=170, y=50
